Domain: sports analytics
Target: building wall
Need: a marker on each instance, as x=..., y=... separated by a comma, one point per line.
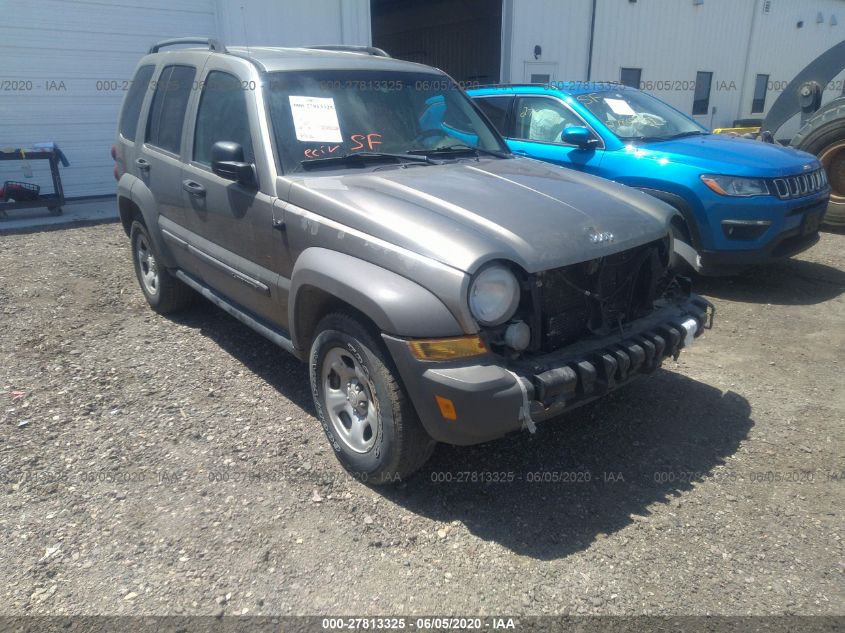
x=781, y=50
x=560, y=28
x=70, y=61
x=670, y=40
x=294, y=22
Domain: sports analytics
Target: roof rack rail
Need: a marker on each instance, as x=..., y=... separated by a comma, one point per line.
x=348, y=48
x=513, y=85
x=213, y=45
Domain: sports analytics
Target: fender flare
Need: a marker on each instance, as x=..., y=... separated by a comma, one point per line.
x=143, y=198
x=396, y=304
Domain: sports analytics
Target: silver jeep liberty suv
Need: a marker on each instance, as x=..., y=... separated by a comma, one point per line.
x=363, y=214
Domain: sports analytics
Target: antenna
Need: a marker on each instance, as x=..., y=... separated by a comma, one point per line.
x=243, y=22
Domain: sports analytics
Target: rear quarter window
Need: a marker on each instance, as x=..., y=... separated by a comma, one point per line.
x=167, y=112
x=133, y=102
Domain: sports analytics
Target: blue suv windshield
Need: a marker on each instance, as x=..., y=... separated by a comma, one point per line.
x=636, y=116
x=319, y=115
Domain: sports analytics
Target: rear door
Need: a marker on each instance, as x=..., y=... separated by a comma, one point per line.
x=157, y=161
x=535, y=127
x=130, y=116
x=232, y=230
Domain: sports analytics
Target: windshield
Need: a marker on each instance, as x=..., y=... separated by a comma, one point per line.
x=318, y=115
x=633, y=115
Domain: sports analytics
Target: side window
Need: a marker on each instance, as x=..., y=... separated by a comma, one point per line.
x=542, y=119
x=496, y=109
x=167, y=112
x=222, y=116
x=134, y=101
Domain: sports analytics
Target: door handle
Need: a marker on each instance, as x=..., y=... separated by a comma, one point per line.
x=193, y=188
x=143, y=165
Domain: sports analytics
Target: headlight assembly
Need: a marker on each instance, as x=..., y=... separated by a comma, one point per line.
x=493, y=295
x=736, y=186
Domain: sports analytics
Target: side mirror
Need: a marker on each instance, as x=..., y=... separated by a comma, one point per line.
x=227, y=161
x=576, y=135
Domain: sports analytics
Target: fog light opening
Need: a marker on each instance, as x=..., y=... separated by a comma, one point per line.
x=518, y=336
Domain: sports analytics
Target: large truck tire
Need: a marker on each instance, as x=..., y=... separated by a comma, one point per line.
x=824, y=136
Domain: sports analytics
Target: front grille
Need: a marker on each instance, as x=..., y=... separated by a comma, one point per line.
x=600, y=295
x=799, y=185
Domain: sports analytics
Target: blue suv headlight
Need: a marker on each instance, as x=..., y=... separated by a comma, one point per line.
x=736, y=186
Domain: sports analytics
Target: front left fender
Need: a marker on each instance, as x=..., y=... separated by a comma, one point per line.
x=396, y=304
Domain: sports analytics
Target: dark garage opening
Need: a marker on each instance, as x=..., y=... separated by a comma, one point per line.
x=461, y=37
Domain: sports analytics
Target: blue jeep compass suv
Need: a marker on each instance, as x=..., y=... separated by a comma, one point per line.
x=743, y=202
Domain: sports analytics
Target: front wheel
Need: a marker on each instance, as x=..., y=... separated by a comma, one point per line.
x=365, y=413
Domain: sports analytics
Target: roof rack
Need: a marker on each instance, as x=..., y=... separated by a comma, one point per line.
x=213, y=45
x=552, y=83
x=348, y=48
x=510, y=85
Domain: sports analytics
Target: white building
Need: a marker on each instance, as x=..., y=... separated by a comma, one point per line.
x=65, y=62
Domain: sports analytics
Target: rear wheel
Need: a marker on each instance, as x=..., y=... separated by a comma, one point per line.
x=365, y=413
x=162, y=290
x=824, y=136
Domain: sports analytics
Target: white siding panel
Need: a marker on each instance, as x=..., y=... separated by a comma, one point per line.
x=84, y=43
x=78, y=44
x=561, y=28
x=275, y=23
x=781, y=50
x=672, y=40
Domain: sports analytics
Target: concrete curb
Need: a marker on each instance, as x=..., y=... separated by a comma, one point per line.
x=75, y=213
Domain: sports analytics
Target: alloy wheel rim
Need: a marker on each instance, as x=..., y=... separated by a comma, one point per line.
x=147, y=265
x=348, y=400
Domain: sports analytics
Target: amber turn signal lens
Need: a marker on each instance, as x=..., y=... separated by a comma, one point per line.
x=447, y=408
x=447, y=348
x=715, y=186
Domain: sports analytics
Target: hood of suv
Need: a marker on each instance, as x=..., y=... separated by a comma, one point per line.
x=464, y=213
x=732, y=156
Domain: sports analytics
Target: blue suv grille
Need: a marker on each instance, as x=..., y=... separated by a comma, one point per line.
x=800, y=185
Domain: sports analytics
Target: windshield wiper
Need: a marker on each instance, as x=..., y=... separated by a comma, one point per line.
x=361, y=157
x=459, y=149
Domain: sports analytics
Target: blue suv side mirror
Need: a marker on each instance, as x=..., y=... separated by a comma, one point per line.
x=576, y=135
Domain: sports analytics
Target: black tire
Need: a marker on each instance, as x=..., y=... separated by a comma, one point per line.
x=824, y=136
x=398, y=444
x=167, y=294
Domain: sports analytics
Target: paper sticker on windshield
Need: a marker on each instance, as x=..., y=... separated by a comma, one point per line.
x=619, y=106
x=315, y=119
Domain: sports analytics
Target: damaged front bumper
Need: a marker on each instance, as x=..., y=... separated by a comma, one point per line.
x=491, y=397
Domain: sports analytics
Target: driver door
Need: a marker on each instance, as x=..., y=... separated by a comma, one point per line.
x=535, y=129
x=231, y=225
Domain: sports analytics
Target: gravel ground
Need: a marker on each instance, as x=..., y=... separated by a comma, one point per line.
x=174, y=466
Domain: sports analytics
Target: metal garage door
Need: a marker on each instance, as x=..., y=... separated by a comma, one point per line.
x=63, y=73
